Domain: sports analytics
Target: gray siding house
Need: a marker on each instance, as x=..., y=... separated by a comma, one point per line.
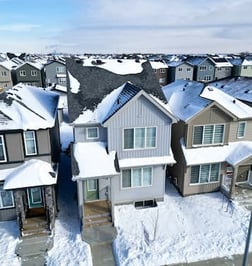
x=223, y=68
x=127, y=133
x=30, y=74
x=211, y=142
x=179, y=70
x=29, y=156
x=55, y=72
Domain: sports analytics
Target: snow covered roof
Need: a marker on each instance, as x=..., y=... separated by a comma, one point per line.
x=26, y=107
x=31, y=173
x=234, y=106
x=36, y=65
x=196, y=60
x=118, y=66
x=145, y=161
x=158, y=64
x=220, y=62
x=93, y=160
x=233, y=153
x=183, y=98
x=246, y=62
x=8, y=64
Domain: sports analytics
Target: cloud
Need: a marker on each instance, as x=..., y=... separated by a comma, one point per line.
x=18, y=27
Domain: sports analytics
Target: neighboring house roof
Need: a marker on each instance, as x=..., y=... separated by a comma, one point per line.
x=93, y=160
x=158, y=64
x=231, y=104
x=196, y=60
x=220, y=61
x=246, y=62
x=8, y=64
x=183, y=98
x=233, y=153
x=178, y=63
x=87, y=85
x=26, y=107
x=236, y=61
x=240, y=88
x=30, y=174
x=35, y=65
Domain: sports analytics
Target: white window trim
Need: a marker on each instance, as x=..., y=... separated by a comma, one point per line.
x=22, y=73
x=209, y=182
x=34, y=72
x=4, y=151
x=145, y=148
x=7, y=207
x=131, y=178
x=88, y=188
x=97, y=129
x=245, y=127
x=35, y=144
x=210, y=144
x=40, y=195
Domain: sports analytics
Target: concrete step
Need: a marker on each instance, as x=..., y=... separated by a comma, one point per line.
x=101, y=220
x=104, y=214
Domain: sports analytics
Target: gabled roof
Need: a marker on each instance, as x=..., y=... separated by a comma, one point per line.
x=31, y=173
x=196, y=60
x=231, y=104
x=220, y=61
x=8, y=64
x=35, y=65
x=26, y=107
x=92, y=84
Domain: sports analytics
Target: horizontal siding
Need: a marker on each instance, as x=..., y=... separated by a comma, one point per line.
x=7, y=214
x=234, y=129
x=80, y=134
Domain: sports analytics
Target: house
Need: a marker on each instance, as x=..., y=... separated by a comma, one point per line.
x=161, y=71
x=236, y=61
x=6, y=72
x=246, y=68
x=223, y=68
x=29, y=156
x=121, y=140
x=30, y=73
x=179, y=70
x=203, y=68
x=55, y=73
x=211, y=141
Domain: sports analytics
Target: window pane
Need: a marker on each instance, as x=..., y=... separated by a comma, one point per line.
x=204, y=173
x=128, y=138
x=30, y=144
x=92, y=133
x=151, y=137
x=6, y=198
x=197, y=135
x=218, y=135
x=241, y=129
x=36, y=195
x=136, y=177
x=147, y=174
x=92, y=184
x=214, y=175
x=139, y=137
x=195, y=174
x=208, y=134
x=2, y=155
x=126, y=178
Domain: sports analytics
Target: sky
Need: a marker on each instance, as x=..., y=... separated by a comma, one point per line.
x=126, y=26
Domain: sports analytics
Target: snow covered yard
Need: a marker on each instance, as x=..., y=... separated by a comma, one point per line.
x=180, y=230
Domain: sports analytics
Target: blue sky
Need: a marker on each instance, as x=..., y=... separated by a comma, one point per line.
x=126, y=26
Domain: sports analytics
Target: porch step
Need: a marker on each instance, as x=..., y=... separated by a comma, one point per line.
x=98, y=220
x=94, y=216
x=35, y=227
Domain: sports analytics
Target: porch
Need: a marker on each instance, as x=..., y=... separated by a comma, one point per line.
x=97, y=213
x=243, y=194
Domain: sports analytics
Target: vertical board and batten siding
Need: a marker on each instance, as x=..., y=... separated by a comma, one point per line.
x=14, y=147
x=139, y=113
x=129, y=195
x=43, y=141
x=234, y=131
x=212, y=115
x=80, y=134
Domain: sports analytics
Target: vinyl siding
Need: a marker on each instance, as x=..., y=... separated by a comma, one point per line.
x=14, y=147
x=80, y=133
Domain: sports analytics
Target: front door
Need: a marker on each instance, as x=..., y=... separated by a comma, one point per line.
x=35, y=197
x=92, y=189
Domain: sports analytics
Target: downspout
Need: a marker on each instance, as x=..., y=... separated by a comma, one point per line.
x=233, y=181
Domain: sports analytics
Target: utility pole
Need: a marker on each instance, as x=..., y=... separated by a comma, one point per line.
x=245, y=258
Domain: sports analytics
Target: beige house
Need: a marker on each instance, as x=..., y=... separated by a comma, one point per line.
x=246, y=68
x=211, y=141
x=6, y=68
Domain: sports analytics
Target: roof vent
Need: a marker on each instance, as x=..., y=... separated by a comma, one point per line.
x=210, y=88
x=118, y=101
x=234, y=101
x=246, y=91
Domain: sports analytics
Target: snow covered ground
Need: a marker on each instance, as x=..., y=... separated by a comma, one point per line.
x=178, y=230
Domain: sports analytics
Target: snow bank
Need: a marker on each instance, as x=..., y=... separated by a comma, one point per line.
x=180, y=230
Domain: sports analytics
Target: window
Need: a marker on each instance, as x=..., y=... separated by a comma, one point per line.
x=162, y=70
x=188, y=69
x=2, y=150
x=60, y=69
x=202, y=68
x=180, y=69
x=139, y=138
x=241, y=129
x=4, y=73
x=22, y=73
x=30, y=143
x=34, y=73
x=137, y=177
x=92, y=184
x=6, y=198
x=205, y=173
x=245, y=67
x=219, y=68
x=92, y=133
x=208, y=134
x=62, y=81
x=207, y=77
x=211, y=68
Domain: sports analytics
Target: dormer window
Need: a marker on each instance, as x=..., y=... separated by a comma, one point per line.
x=92, y=133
